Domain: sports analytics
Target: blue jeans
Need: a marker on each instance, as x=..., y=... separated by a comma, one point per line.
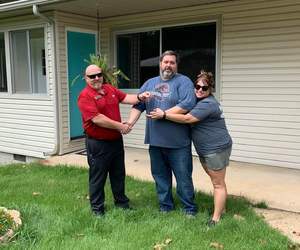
x=164, y=161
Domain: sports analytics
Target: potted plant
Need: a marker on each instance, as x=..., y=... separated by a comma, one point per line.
x=111, y=75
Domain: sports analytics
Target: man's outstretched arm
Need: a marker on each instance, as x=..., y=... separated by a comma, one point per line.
x=134, y=115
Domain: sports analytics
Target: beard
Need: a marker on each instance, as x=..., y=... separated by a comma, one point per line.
x=96, y=84
x=167, y=74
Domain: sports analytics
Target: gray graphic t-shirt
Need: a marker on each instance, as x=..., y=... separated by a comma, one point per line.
x=178, y=91
x=210, y=134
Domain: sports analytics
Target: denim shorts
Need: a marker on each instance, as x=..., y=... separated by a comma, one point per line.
x=216, y=161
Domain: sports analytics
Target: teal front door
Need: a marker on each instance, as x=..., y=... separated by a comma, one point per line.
x=80, y=46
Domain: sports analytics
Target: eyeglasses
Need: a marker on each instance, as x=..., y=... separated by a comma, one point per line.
x=204, y=88
x=94, y=76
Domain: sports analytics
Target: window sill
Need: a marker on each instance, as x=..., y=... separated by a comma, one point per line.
x=130, y=91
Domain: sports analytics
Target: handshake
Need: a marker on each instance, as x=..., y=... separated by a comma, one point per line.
x=126, y=127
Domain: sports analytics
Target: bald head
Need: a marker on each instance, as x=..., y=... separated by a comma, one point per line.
x=93, y=76
x=92, y=70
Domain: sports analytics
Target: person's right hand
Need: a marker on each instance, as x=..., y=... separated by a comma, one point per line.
x=145, y=96
x=156, y=114
x=124, y=128
x=128, y=123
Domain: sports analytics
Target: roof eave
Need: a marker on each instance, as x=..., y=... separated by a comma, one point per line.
x=25, y=4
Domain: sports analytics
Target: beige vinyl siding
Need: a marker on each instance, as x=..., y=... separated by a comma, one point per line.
x=260, y=83
x=259, y=73
x=66, y=21
x=28, y=121
x=136, y=137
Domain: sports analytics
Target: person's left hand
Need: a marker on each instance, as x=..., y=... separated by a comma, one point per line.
x=156, y=114
x=125, y=128
x=130, y=125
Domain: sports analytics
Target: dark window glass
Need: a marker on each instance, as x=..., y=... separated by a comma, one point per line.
x=137, y=56
x=3, y=78
x=43, y=61
x=196, y=45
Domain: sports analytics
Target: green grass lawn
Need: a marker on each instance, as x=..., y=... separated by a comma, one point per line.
x=56, y=215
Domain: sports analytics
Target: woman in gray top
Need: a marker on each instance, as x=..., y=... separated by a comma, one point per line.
x=210, y=137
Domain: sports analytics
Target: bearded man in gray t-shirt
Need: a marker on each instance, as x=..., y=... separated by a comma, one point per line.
x=169, y=142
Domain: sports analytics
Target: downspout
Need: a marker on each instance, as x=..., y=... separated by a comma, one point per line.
x=36, y=12
x=51, y=22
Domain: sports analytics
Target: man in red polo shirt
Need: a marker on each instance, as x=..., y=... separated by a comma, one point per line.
x=99, y=106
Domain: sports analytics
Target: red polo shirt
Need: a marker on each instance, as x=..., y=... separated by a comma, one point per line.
x=91, y=104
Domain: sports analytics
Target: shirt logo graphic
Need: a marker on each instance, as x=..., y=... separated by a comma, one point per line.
x=161, y=91
x=97, y=97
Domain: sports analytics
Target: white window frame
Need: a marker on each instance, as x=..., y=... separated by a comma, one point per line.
x=10, y=86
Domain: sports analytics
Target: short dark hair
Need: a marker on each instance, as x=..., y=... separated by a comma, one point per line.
x=208, y=78
x=169, y=53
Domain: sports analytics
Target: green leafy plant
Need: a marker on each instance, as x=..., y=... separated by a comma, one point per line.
x=6, y=222
x=111, y=75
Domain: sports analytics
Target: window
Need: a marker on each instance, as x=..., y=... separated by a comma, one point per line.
x=28, y=61
x=137, y=56
x=138, y=53
x=196, y=45
x=3, y=78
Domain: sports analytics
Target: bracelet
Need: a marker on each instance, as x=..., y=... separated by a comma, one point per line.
x=138, y=97
x=164, y=116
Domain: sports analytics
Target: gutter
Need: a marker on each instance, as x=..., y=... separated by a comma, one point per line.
x=23, y=4
x=36, y=12
x=51, y=23
x=20, y=4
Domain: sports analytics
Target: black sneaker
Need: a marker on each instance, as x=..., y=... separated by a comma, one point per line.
x=190, y=215
x=211, y=223
x=165, y=211
x=99, y=213
x=124, y=206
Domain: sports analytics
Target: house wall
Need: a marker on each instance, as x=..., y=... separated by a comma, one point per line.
x=28, y=121
x=259, y=73
x=65, y=21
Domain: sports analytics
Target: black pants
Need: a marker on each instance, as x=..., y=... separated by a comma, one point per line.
x=106, y=157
